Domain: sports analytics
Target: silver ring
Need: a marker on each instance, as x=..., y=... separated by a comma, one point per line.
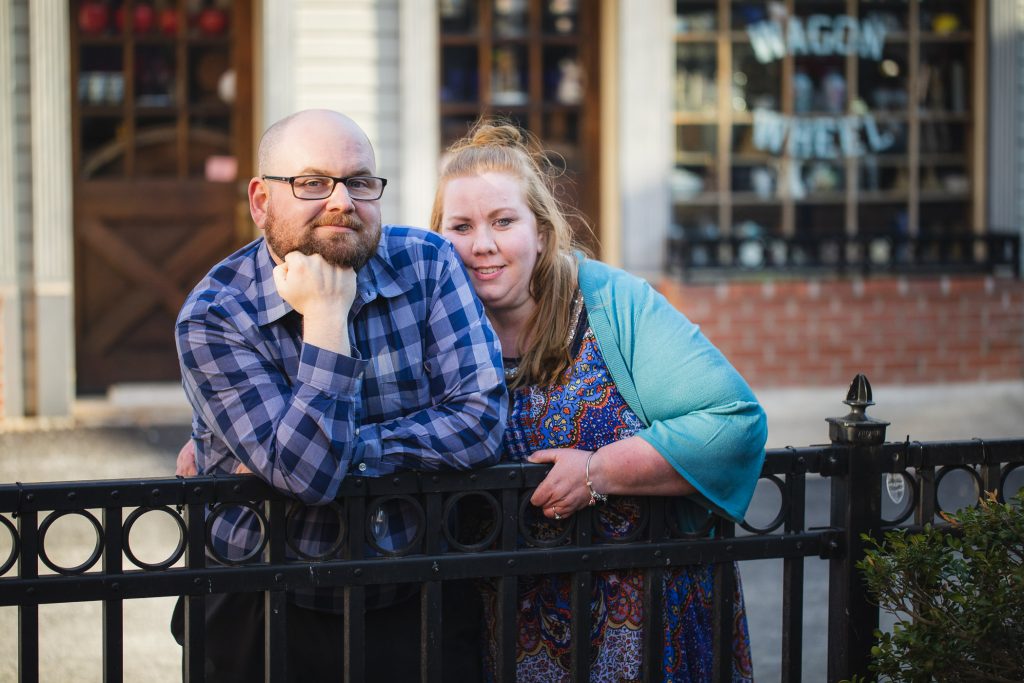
x=555, y=512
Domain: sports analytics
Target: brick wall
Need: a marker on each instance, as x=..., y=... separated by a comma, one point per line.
x=895, y=330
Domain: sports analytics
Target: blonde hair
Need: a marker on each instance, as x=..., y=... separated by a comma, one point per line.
x=496, y=145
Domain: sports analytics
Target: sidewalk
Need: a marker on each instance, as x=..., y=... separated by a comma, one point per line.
x=796, y=416
x=137, y=431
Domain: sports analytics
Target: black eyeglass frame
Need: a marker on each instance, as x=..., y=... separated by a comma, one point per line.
x=335, y=180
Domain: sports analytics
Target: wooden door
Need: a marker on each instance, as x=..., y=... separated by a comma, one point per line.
x=162, y=141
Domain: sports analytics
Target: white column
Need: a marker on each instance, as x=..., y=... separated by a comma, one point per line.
x=276, y=59
x=419, y=123
x=609, y=218
x=52, y=215
x=646, y=140
x=11, y=378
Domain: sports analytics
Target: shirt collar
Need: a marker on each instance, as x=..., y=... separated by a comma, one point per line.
x=377, y=278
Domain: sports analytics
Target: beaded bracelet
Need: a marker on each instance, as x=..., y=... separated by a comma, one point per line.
x=595, y=497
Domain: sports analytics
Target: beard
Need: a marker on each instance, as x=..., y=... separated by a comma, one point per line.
x=344, y=249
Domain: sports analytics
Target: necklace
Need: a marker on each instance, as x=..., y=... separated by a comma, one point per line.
x=577, y=310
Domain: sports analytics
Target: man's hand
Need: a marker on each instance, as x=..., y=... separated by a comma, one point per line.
x=186, y=464
x=323, y=293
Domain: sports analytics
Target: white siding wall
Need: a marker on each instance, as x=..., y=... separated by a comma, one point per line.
x=23, y=164
x=345, y=56
x=646, y=137
x=25, y=373
x=11, y=386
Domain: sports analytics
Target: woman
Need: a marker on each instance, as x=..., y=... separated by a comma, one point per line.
x=615, y=389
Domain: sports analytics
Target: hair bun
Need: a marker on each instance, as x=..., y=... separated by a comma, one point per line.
x=497, y=133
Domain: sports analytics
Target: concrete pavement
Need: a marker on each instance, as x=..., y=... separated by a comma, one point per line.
x=136, y=432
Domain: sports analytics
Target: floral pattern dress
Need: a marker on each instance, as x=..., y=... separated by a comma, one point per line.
x=584, y=410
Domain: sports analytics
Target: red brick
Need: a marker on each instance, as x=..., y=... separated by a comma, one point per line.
x=798, y=332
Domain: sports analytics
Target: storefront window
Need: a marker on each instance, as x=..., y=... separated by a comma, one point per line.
x=534, y=62
x=155, y=87
x=828, y=133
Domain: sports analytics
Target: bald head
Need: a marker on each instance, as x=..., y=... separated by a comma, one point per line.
x=319, y=122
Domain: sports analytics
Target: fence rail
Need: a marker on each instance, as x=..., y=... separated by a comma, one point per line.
x=505, y=545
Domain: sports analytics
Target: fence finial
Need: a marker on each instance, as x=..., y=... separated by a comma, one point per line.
x=856, y=427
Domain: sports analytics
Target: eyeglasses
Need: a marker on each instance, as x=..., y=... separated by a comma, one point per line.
x=362, y=187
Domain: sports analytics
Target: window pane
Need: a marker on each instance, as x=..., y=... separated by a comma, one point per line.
x=459, y=75
x=696, y=71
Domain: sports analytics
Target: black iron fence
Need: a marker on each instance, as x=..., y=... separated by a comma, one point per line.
x=857, y=462
x=696, y=257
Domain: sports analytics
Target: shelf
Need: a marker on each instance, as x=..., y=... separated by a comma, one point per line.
x=694, y=159
x=942, y=196
x=558, y=40
x=100, y=111
x=748, y=199
x=931, y=116
x=699, y=200
x=962, y=37
x=898, y=116
x=752, y=159
x=690, y=118
x=882, y=196
x=885, y=160
x=476, y=108
x=461, y=40
x=209, y=109
x=697, y=37
x=837, y=198
x=118, y=40
x=943, y=160
x=101, y=41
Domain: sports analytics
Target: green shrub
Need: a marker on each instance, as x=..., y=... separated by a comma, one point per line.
x=958, y=597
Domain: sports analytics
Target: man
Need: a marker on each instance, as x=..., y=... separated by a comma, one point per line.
x=332, y=347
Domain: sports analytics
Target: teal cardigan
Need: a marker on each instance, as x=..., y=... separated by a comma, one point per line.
x=699, y=413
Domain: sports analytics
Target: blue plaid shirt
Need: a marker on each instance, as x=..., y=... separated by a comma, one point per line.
x=423, y=389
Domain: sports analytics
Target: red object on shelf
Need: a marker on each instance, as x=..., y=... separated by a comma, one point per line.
x=143, y=18
x=168, y=21
x=93, y=17
x=212, y=21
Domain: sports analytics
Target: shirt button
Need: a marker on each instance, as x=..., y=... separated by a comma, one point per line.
x=362, y=467
x=357, y=431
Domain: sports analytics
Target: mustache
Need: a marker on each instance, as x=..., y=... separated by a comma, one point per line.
x=335, y=219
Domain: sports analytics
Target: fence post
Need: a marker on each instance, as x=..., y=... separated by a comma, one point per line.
x=856, y=510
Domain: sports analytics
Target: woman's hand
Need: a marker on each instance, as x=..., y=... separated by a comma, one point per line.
x=630, y=467
x=564, y=490
x=186, y=463
x=185, y=466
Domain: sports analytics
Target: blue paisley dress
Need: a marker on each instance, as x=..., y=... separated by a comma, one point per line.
x=584, y=410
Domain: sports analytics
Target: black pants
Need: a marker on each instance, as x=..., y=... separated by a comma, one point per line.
x=235, y=636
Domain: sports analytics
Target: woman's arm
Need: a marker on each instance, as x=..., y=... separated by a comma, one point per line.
x=627, y=467
x=701, y=416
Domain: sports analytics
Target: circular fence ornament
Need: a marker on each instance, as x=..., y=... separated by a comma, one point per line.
x=178, y=551
x=97, y=550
